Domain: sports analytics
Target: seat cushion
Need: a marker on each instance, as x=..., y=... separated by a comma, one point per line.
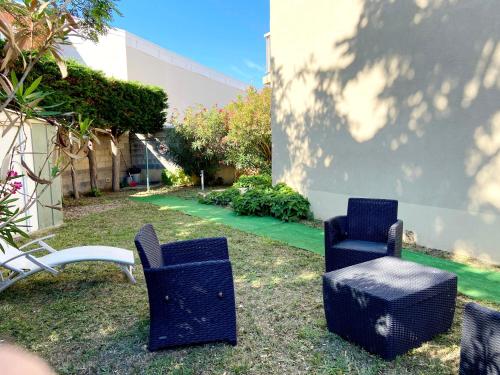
x=368, y=246
x=393, y=279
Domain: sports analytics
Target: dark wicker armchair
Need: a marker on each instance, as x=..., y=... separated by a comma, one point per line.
x=480, y=347
x=190, y=289
x=370, y=230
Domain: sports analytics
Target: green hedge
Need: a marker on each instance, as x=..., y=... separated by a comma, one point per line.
x=111, y=103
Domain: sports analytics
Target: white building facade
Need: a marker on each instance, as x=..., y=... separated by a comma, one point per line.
x=123, y=55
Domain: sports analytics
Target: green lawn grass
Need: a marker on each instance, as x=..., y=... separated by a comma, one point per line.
x=475, y=282
x=89, y=320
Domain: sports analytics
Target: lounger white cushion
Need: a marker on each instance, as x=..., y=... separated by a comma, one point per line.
x=23, y=263
x=89, y=253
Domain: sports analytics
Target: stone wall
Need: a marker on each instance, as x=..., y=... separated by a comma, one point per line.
x=103, y=156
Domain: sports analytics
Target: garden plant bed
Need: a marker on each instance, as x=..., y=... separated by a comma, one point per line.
x=89, y=320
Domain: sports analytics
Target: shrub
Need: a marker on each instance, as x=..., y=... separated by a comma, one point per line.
x=95, y=193
x=262, y=181
x=197, y=140
x=180, y=150
x=176, y=178
x=288, y=205
x=112, y=104
x=238, y=135
x=254, y=202
x=166, y=179
x=221, y=198
x=249, y=130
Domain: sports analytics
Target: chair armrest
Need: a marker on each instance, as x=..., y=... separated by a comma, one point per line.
x=200, y=250
x=41, y=243
x=335, y=230
x=395, y=239
x=31, y=258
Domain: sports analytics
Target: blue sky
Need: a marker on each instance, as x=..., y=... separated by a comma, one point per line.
x=226, y=35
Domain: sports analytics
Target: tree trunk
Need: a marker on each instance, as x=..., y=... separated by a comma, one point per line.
x=115, y=158
x=92, y=169
x=74, y=177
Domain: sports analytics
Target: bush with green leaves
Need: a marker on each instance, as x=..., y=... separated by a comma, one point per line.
x=280, y=201
x=180, y=151
x=197, y=140
x=176, y=177
x=249, y=145
x=111, y=104
x=261, y=181
x=255, y=202
x=221, y=198
x=238, y=135
x=165, y=178
x=288, y=205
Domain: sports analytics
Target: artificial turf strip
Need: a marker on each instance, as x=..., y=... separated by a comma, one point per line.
x=474, y=282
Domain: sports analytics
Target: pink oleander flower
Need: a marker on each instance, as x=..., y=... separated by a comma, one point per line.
x=12, y=174
x=15, y=187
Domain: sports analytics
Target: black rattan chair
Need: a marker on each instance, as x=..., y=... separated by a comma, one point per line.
x=480, y=346
x=370, y=230
x=190, y=289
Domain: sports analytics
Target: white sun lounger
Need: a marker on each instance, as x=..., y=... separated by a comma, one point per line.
x=22, y=264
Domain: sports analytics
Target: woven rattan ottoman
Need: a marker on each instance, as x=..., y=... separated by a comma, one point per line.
x=388, y=305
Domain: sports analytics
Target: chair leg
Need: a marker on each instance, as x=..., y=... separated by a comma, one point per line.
x=13, y=278
x=5, y=284
x=127, y=270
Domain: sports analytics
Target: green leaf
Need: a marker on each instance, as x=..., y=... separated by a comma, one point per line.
x=33, y=86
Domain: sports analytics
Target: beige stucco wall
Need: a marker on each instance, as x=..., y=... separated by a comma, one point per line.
x=126, y=56
x=186, y=82
x=393, y=99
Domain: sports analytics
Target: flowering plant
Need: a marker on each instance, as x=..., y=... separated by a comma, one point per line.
x=9, y=211
x=30, y=30
x=11, y=187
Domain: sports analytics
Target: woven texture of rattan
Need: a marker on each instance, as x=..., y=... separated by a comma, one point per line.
x=190, y=290
x=370, y=230
x=480, y=346
x=389, y=306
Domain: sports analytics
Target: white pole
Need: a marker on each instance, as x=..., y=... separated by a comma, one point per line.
x=202, y=175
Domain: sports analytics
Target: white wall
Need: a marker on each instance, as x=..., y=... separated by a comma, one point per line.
x=393, y=99
x=23, y=142
x=123, y=55
x=109, y=55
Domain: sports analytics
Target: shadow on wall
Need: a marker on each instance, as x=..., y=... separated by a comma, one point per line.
x=406, y=106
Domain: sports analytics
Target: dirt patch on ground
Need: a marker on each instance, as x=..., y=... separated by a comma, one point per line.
x=75, y=212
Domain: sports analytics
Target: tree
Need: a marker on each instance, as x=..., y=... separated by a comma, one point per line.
x=198, y=140
x=111, y=104
x=32, y=29
x=249, y=143
x=135, y=108
x=94, y=16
